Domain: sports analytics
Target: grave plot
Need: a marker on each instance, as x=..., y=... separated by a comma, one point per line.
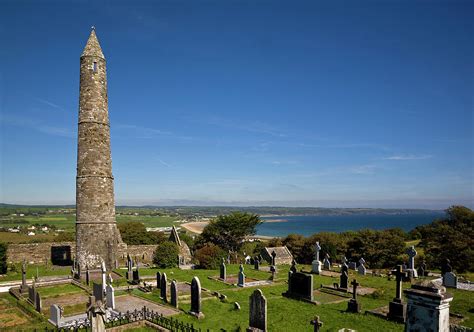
x=11, y=316
x=130, y=303
x=72, y=298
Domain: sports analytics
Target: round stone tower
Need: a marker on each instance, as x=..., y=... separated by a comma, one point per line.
x=97, y=236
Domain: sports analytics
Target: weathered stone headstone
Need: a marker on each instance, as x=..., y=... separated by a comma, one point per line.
x=196, y=298
x=110, y=296
x=316, y=323
x=24, y=286
x=257, y=312
x=316, y=264
x=353, y=305
x=396, y=308
x=427, y=308
x=362, y=261
x=241, y=277
x=352, y=265
x=88, y=276
x=450, y=280
x=411, y=252
x=256, y=263
x=38, y=303
x=158, y=279
x=223, y=274
x=164, y=287
x=174, y=294
x=327, y=262
x=98, y=292
x=55, y=315
x=343, y=279
x=361, y=270
x=32, y=293
x=96, y=313
x=300, y=286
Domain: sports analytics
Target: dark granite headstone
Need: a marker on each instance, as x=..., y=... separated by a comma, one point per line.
x=174, y=294
x=196, y=298
x=158, y=279
x=223, y=271
x=258, y=311
x=273, y=258
x=256, y=264
x=343, y=280
x=98, y=292
x=38, y=302
x=293, y=266
x=136, y=277
x=164, y=288
x=300, y=285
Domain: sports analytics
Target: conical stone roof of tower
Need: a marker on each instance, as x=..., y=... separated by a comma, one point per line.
x=93, y=47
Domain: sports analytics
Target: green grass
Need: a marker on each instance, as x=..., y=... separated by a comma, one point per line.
x=57, y=290
x=43, y=270
x=8, y=237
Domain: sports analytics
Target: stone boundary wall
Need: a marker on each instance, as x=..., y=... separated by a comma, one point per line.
x=40, y=253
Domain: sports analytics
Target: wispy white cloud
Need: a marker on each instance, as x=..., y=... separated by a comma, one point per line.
x=148, y=133
x=408, y=157
x=363, y=169
x=51, y=104
x=37, y=125
x=345, y=146
x=164, y=163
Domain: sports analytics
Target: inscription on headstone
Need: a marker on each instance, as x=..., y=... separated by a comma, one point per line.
x=300, y=285
x=257, y=311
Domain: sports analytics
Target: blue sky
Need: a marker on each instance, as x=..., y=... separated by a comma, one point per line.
x=246, y=103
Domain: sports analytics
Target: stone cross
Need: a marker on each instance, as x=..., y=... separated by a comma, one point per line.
x=411, y=253
x=163, y=288
x=354, y=284
x=273, y=257
x=174, y=294
x=316, y=323
x=317, y=249
x=241, y=279
x=399, y=275
x=196, y=298
x=258, y=311
x=223, y=272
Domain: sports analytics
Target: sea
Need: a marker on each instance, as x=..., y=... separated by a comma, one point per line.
x=308, y=225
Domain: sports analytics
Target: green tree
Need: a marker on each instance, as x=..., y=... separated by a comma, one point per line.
x=450, y=238
x=166, y=255
x=3, y=258
x=135, y=233
x=209, y=256
x=228, y=231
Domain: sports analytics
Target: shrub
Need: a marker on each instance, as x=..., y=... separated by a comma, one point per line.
x=209, y=256
x=166, y=255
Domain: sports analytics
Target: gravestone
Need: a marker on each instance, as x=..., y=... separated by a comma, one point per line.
x=196, y=298
x=273, y=271
x=362, y=270
x=174, y=294
x=158, y=279
x=96, y=313
x=353, y=305
x=38, y=302
x=343, y=279
x=344, y=260
x=396, y=308
x=104, y=276
x=110, y=296
x=241, y=279
x=88, y=276
x=98, y=292
x=256, y=264
x=164, y=288
x=24, y=286
x=223, y=271
x=316, y=323
x=257, y=312
x=352, y=265
x=427, y=308
x=411, y=252
x=300, y=286
x=316, y=264
x=446, y=267
x=450, y=280
x=32, y=293
x=327, y=262
x=293, y=266
x=55, y=315
x=362, y=261
x=273, y=258
x=136, y=277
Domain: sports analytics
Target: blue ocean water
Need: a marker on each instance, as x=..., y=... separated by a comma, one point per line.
x=307, y=225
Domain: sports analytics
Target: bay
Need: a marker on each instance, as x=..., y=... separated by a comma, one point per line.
x=308, y=225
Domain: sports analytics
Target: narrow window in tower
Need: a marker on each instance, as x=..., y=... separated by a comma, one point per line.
x=94, y=67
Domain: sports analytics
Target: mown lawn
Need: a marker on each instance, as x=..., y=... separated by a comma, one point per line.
x=31, y=270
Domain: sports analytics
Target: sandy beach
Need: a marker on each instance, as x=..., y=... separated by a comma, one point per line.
x=195, y=227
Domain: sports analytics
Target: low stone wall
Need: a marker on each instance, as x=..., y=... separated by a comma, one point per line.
x=458, y=328
x=40, y=253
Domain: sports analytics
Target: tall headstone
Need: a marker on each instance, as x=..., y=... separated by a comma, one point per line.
x=55, y=315
x=396, y=308
x=274, y=258
x=196, y=298
x=427, y=308
x=158, y=279
x=343, y=279
x=411, y=252
x=97, y=236
x=98, y=292
x=96, y=313
x=24, y=286
x=38, y=304
x=361, y=270
x=223, y=274
x=103, y=270
x=164, y=288
x=257, y=312
x=316, y=264
x=353, y=305
x=256, y=264
x=174, y=294
x=241, y=277
x=88, y=276
x=110, y=296
x=422, y=270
